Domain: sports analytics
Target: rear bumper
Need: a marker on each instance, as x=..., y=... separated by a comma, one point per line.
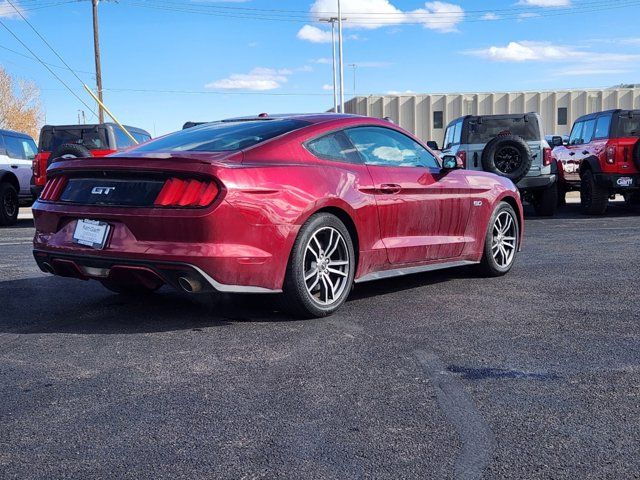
x=151, y=273
x=617, y=182
x=539, y=182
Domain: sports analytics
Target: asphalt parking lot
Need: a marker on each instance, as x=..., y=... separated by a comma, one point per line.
x=438, y=375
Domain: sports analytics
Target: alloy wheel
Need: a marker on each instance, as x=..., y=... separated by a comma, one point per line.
x=326, y=266
x=508, y=159
x=503, y=244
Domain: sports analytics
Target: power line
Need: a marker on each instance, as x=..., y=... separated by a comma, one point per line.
x=45, y=41
x=35, y=60
x=46, y=66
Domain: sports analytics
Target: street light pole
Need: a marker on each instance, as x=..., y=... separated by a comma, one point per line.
x=332, y=21
x=340, y=56
x=354, y=66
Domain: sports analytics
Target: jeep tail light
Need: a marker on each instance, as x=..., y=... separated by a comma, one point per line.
x=462, y=155
x=177, y=192
x=546, y=156
x=53, y=188
x=611, y=154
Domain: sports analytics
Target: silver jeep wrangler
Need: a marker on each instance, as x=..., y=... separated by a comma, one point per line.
x=512, y=146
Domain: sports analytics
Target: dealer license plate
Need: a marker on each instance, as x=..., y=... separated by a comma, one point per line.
x=91, y=233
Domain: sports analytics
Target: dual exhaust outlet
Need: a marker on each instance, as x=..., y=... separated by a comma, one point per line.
x=187, y=284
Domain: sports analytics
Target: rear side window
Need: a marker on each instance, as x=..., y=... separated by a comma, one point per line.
x=92, y=138
x=383, y=146
x=629, y=127
x=222, y=136
x=576, y=133
x=453, y=134
x=602, y=126
x=488, y=128
x=334, y=146
x=587, y=130
x=19, y=147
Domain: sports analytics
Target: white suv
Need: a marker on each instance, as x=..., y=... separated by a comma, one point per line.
x=17, y=151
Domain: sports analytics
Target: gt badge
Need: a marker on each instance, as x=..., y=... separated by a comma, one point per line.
x=102, y=190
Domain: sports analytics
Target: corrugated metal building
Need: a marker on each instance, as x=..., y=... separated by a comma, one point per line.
x=427, y=115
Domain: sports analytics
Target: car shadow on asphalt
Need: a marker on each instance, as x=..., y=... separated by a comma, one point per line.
x=616, y=209
x=22, y=223
x=59, y=305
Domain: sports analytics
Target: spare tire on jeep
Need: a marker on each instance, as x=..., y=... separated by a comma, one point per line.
x=508, y=156
x=69, y=150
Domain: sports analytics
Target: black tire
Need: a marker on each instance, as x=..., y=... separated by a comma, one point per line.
x=128, y=289
x=298, y=298
x=594, y=198
x=632, y=199
x=69, y=150
x=545, y=202
x=489, y=266
x=9, y=204
x=562, y=197
x=636, y=154
x=508, y=156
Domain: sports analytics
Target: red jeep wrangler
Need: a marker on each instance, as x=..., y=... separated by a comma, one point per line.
x=77, y=141
x=602, y=159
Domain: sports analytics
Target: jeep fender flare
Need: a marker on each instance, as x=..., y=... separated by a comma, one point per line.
x=10, y=177
x=592, y=163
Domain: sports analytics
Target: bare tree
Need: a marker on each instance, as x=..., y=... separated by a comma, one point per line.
x=20, y=107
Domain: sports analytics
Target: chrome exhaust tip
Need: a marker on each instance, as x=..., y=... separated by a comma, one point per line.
x=47, y=267
x=189, y=285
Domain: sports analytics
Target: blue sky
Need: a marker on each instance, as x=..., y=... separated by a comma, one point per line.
x=168, y=61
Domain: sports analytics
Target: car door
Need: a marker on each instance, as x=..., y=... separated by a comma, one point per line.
x=21, y=152
x=423, y=212
x=570, y=155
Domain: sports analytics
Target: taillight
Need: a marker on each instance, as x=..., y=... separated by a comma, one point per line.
x=611, y=154
x=462, y=155
x=54, y=188
x=546, y=156
x=177, y=192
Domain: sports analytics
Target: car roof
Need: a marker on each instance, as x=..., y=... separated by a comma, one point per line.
x=590, y=116
x=15, y=133
x=94, y=125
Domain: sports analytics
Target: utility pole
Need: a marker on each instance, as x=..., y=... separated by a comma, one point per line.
x=332, y=21
x=340, y=56
x=96, y=50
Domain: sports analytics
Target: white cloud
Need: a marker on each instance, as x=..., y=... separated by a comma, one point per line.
x=327, y=87
x=314, y=34
x=373, y=14
x=524, y=16
x=257, y=79
x=545, y=3
x=323, y=61
x=396, y=92
x=524, y=51
x=7, y=11
x=490, y=16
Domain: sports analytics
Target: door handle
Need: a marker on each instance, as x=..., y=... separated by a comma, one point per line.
x=572, y=153
x=14, y=166
x=390, y=188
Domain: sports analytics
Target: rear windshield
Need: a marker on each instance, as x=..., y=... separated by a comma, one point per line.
x=629, y=127
x=222, y=136
x=92, y=138
x=491, y=127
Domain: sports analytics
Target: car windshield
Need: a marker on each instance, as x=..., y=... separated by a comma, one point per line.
x=491, y=127
x=629, y=126
x=222, y=136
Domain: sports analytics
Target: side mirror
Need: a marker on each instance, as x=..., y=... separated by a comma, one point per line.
x=451, y=162
x=556, y=141
x=433, y=145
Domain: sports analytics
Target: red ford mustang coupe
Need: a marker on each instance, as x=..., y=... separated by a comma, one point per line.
x=305, y=205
